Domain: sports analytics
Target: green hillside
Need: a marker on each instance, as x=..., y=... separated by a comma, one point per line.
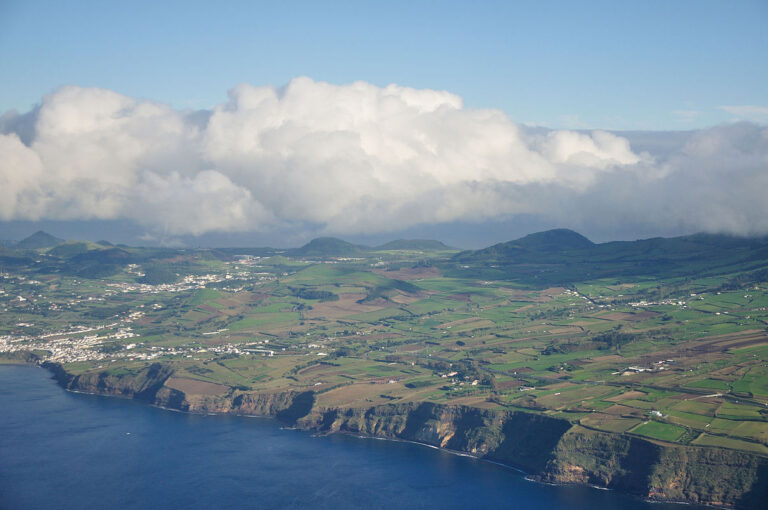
x=38, y=240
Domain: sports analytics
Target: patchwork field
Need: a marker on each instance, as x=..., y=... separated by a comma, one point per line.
x=676, y=353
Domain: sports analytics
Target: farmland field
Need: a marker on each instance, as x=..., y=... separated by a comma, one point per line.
x=674, y=350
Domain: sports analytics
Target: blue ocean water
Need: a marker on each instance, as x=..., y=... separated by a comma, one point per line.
x=60, y=450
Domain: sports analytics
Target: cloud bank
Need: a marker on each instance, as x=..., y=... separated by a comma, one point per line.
x=360, y=159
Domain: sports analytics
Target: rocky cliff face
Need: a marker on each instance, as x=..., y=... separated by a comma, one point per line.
x=714, y=476
x=148, y=385
x=550, y=449
x=236, y=402
x=554, y=450
x=519, y=439
x=140, y=385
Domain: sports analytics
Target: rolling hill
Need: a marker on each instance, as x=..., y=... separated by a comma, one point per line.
x=38, y=240
x=327, y=247
x=562, y=256
x=413, y=245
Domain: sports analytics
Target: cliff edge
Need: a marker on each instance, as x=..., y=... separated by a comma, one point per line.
x=549, y=449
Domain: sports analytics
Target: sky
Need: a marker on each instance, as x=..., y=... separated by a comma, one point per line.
x=272, y=122
x=609, y=65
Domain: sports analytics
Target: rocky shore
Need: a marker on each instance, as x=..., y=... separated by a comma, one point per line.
x=549, y=449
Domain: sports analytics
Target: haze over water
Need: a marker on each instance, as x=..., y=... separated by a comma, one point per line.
x=65, y=450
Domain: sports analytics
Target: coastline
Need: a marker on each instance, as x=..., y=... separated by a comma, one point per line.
x=525, y=475
x=505, y=466
x=545, y=450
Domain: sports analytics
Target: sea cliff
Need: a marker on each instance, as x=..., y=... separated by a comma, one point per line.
x=549, y=449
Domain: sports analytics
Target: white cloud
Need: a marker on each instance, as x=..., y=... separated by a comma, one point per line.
x=21, y=173
x=748, y=112
x=600, y=150
x=686, y=116
x=356, y=159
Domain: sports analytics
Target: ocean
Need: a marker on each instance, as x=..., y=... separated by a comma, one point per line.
x=61, y=450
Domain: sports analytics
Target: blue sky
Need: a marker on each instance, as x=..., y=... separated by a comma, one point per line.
x=655, y=65
x=252, y=123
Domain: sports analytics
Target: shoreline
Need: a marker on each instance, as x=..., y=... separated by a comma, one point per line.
x=528, y=477
x=508, y=467
x=343, y=422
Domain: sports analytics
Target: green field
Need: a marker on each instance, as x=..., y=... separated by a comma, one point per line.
x=667, y=340
x=662, y=431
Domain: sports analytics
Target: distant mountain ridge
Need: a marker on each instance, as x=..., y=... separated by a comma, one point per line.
x=334, y=247
x=559, y=240
x=38, y=240
x=413, y=245
x=561, y=256
x=328, y=247
x=552, y=257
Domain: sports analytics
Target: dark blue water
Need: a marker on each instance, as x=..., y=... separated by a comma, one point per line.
x=63, y=450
